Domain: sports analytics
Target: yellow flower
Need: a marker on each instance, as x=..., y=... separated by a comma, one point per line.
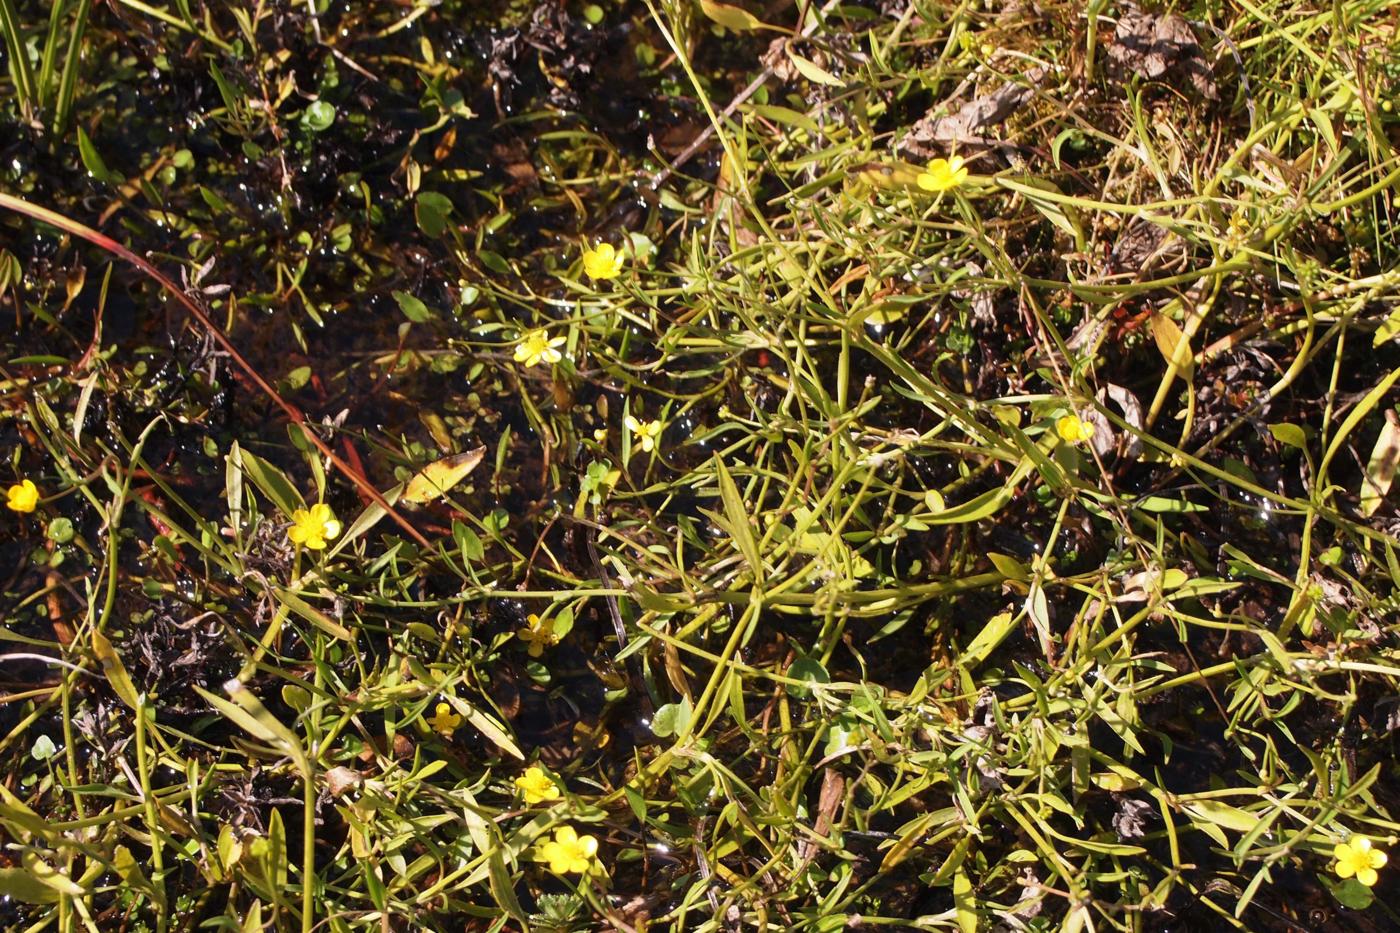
x=568, y=853
x=1073, y=429
x=313, y=527
x=1358, y=858
x=1238, y=230
x=602, y=262
x=22, y=496
x=538, y=347
x=444, y=720
x=536, y=787
x=943, y=174
x=647, y=432
x=539, y=635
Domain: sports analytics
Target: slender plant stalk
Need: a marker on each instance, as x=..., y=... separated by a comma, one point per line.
x=46, y=61
x=19, y=61
x=68, y=82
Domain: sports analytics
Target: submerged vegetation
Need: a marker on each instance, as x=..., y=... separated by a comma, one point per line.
x=697, y=465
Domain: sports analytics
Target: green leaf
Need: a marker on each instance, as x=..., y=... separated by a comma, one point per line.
x=1290, y=435
x=271, y=481
x=318, y=116
x=437, y=479
x=1164, y=504
x=787, y=116
x=469, y=542
x=432, y=211
x=729, y=16
x=113, y=668
x=46, y=874
x=493, y=261
x=964, y=902
x=736, y=515
x=636, y=801
x=486, y=725
x=19, y=884
x=248, y=713
x=412, y=308
x=61, y=530
x=299, y=377
x=91, y=160
x=808, y=670
x=813, y=72
x=1388, y=330
x=1380, y=468
x=1009, y=567
x=993, y=633
x=226, y=91
x=503, y=887
x=672, y=719
x=1351, y=894
x=311, y=614
x=297, y=697
x=129, y=871
x=985, y=505
x=43, y=749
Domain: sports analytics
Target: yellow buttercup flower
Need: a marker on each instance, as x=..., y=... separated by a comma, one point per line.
x=313, y=527
x=538, y=634
x=538, y=347
x=1074, y=429
x=1357, y=858
x=536, y=787
x=445, y=720
x=646, y=432
x=603, y=261
x=22, y=496
x=568, y=853
x=943, y=174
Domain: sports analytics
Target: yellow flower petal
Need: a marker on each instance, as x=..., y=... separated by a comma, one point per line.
x=312, y=527
x=22, y=496
x=568, y=853
x=943, y=174
x=444, y=719
x=603, y=262
x=1074, y=430
x=536, y=787
x=536, y=346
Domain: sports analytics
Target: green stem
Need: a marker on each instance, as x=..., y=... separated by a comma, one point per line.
x=19, y=59
x=68, y=82
x=143, y=770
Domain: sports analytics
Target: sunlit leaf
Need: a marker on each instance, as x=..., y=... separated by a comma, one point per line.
x=437, y=478
x=730, y=16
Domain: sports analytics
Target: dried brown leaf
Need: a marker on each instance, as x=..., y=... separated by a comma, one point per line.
x=930, y=136
x=1161, y=47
